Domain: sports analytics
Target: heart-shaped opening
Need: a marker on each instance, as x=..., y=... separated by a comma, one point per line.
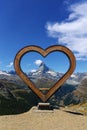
x=44, y=72
x=44, y=53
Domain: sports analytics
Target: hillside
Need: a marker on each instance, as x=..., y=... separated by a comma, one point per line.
x=81, y=92
x=16, y=97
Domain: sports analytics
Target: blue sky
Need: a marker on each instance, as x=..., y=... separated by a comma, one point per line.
x=43, y=23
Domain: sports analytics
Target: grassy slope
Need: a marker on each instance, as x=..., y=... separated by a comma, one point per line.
x=82, y=108
x=16, y=100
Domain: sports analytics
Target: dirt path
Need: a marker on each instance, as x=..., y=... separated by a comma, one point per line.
x=43, y=120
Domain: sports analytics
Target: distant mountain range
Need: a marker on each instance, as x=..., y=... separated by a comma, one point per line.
x=45, y=72
x=44, y=76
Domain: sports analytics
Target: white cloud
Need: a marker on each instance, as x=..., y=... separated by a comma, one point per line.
x=33, y=70
x=10, y=65
x=72, y=32
x=38, y=62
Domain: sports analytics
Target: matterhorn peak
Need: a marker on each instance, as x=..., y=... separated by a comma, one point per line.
x=43, y=68
x=44, y=71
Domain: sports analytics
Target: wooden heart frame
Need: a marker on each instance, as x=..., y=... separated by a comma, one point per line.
x=44, y=53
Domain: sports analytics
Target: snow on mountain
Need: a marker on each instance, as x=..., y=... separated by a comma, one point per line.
x=52, y=73
x=72, y=82
x=73, y=76
x=43, y=71
x=4, y=73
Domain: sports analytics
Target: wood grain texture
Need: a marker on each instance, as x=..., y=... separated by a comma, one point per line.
x=44, y=53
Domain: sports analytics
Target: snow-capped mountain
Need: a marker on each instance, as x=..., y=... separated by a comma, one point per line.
x=44, y=72
x=76, y=78
x=10, y=76
x=4, y=73
x=9, y=73
x=44, y=76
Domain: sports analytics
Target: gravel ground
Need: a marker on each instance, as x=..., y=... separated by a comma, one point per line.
x=43, y=120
